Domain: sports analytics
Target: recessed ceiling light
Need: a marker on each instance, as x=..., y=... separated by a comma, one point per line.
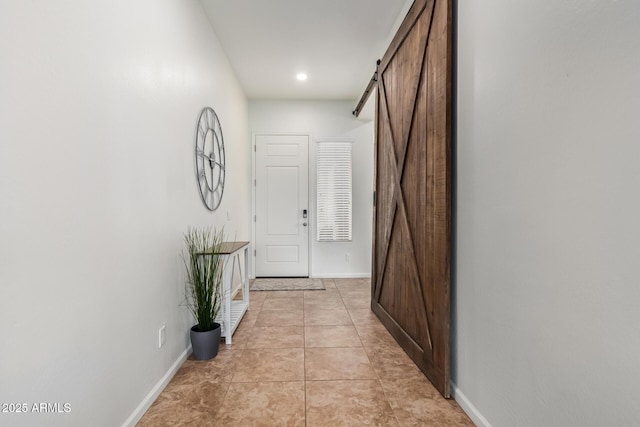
x=301, y=76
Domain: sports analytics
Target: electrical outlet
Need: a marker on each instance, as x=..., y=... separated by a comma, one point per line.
x=162, y=335
x=348, y=257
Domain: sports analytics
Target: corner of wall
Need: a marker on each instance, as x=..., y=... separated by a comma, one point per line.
x=468, y=407
x=156, y=390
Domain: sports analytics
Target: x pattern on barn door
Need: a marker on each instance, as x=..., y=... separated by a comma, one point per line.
x=411, y=255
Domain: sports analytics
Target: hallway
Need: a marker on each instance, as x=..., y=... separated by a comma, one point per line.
x=315, y=358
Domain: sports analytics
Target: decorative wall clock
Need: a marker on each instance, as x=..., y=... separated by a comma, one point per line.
x=210, y=166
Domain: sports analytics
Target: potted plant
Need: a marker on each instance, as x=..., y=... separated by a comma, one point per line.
x=204, y=288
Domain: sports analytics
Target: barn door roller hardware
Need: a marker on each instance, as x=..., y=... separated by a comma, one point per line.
x=367, y=91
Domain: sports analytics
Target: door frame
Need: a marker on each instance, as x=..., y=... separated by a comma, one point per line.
x=311, y=228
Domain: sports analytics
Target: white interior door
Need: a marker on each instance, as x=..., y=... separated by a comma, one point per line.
x=282, y=203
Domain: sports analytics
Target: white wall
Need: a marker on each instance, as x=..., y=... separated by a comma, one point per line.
x=546, y=287
x=98, y=107
x=329, y=119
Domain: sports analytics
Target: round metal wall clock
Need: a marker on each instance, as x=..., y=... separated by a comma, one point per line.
x=210, y=167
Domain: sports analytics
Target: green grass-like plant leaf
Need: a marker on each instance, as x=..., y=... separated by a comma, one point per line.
x=204, y=288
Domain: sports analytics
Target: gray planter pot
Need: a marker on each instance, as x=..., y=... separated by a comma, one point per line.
x=205, y=344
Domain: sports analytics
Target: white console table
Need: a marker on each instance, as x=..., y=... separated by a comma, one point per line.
x=232, y=311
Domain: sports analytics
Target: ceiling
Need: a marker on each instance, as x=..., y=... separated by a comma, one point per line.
x=335, y=42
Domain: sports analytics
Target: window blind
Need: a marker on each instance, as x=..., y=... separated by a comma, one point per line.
x=334, y=176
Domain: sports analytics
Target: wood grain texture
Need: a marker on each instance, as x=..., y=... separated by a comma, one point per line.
x=411, y=254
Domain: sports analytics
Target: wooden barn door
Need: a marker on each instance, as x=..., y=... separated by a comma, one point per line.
x=410, y=277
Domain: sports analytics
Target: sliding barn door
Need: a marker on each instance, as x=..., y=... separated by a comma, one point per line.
x=410, y=276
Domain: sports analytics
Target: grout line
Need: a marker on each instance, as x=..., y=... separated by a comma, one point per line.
x=343, y=379
x=226, y=393
x=375, y=372
x=384, y=393
x=304, y=362
x=236, y=360
x=268, y=381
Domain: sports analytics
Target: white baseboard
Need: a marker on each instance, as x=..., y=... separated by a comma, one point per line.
x=156, y=390
x=341, y=276
x=468, y=407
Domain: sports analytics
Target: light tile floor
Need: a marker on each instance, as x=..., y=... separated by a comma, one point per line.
x=306, y=358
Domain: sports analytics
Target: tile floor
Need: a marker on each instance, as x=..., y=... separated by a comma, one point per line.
x=306, y=358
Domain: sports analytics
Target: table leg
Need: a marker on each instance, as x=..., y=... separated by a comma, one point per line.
x=245, y=281
x=227, y=298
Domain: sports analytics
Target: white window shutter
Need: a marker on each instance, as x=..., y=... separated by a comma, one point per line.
x=334, y=176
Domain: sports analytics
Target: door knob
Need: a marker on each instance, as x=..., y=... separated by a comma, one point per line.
x=304, y=223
